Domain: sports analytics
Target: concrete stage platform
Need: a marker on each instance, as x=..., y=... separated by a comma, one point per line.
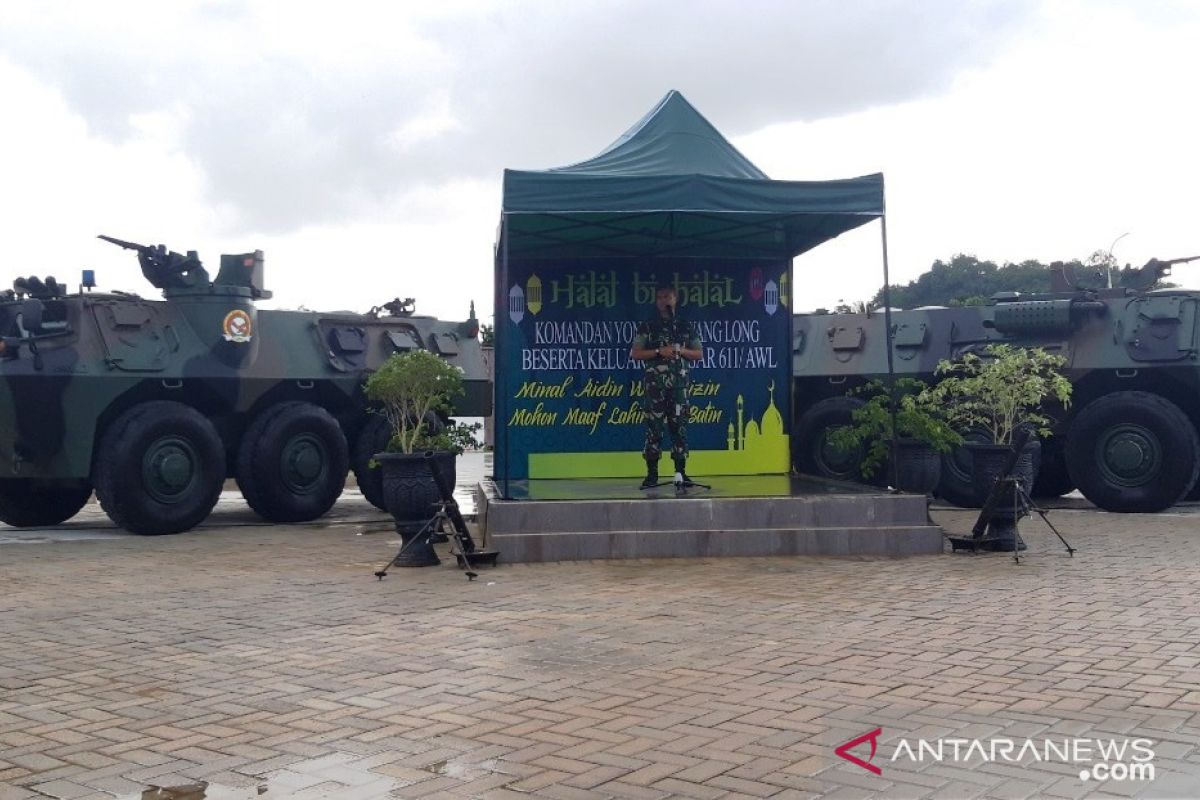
x=758, y=515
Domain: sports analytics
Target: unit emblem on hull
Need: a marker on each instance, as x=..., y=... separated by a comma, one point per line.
x=237, y=326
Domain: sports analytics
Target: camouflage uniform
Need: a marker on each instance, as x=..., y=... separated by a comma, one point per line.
x=666, y=381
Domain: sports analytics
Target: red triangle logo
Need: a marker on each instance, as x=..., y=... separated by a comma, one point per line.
x=844, y=751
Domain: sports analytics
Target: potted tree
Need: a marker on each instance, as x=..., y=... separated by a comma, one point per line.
x=413, y=390
x=999, y=392
x=908, y=415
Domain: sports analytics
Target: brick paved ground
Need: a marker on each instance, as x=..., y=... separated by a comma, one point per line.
x=269, y=657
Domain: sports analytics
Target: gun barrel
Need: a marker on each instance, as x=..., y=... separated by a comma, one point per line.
x=122, y=243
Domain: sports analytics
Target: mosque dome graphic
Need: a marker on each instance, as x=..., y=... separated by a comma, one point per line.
x=772, y=421
x=756, y=436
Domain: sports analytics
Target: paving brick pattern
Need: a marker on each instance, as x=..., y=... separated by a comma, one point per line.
x=260, y=658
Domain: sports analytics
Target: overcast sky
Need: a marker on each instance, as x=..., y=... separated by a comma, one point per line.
x=361, y=144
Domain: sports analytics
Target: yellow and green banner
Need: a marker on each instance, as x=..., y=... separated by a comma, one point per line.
x=570, y=398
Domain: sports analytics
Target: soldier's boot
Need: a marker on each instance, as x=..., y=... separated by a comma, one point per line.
x=681, y=476
x=651, y=474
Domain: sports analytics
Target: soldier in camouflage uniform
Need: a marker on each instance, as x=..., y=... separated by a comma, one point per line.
x=663, y=344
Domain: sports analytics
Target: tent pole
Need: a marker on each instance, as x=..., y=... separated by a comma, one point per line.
x=500, y=410
x=887, y=322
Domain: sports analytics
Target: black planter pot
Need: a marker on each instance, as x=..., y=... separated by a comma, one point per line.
x=918, y=467
x=987, y=463
x=411, y=497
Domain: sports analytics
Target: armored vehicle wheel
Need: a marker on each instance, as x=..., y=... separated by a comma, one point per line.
x=814, y=455
x=1194, y=492
x=956, y=485
x=1052, y=480
x=372, y=439
x=26, y=503
x=1133, y=452
x=159, y=468
x=292, y=462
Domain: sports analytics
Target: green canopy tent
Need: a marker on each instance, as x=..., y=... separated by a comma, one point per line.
x=671, y=187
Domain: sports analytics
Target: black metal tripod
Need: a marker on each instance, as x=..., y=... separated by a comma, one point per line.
x=681, y=487
x=1021, y=502
x=681, y=483
x=1007, y=485
x=447, y=515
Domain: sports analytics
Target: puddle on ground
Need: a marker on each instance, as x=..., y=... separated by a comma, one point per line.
x=462, y=770
x=201, y=790
x=333, y=773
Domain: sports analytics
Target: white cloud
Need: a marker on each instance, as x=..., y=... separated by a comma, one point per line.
x=1078, y=133
x=361, y=144
x=293, y=112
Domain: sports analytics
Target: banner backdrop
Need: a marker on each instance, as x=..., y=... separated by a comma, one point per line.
x=570, y=399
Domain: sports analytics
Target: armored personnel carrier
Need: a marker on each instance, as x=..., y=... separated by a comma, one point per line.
x=1128, y=441
x=154, y=403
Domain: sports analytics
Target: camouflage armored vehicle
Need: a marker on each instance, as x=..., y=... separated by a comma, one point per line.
x=154, y=403
x=1128, y=441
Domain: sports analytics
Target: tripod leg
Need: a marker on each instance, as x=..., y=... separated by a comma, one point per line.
x=1042, y=513
x=381, y=573
x=463, y=555
x=1016, y=519
x=420, y=545
x=1070, y=550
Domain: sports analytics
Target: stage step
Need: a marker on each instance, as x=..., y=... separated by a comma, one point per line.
x=696, y=526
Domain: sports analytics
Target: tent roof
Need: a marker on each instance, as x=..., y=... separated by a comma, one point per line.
x=672, y=139
x=672, y=185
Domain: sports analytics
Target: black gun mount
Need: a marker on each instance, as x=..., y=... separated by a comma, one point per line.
x=166, y=269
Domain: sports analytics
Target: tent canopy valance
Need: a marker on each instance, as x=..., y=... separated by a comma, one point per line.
x=673, y=186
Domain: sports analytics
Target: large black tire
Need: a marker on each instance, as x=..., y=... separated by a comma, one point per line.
x=27, y=503
x=956, y=484
x=1133, y=452
x=292, y=462
x=159, y=468
x=812, y=454
x=1053, y=479
x=372, y=439
x=1194, y=492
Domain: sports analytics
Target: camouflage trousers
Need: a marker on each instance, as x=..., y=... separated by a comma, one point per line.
x=666, y=408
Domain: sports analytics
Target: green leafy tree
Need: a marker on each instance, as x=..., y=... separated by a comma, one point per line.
x=1001, y=391
x=413, y=388
x=966, y=280
x=917, y=417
